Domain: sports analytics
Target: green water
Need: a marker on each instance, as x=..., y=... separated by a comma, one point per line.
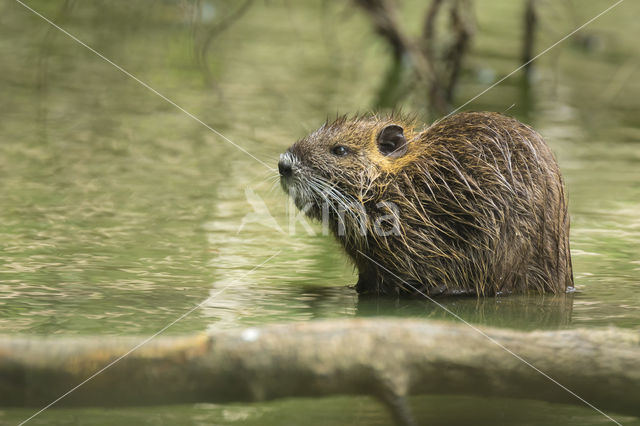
x=119, y=212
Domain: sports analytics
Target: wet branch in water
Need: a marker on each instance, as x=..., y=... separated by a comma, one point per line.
x=387, y=359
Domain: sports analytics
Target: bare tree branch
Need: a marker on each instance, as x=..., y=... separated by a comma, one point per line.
x=387, y=359
x=530, y=24
x=428, y=29
x=438, y=78
x=383, y=15
x=463, y=31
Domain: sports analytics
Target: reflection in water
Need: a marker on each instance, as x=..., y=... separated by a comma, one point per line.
x=519, y=311
x=252, y=304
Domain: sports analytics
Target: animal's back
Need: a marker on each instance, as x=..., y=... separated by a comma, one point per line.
x=484, y=207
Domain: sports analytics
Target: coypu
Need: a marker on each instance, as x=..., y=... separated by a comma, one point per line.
x=476, y=200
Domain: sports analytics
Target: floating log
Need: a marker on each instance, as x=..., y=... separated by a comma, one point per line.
x=386, y=358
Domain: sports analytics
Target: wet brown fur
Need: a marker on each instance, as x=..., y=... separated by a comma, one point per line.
x=480, y=200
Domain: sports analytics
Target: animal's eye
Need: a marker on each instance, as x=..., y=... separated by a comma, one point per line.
x=340, y=150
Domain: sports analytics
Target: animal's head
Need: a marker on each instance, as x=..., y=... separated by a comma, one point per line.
x=345, y=162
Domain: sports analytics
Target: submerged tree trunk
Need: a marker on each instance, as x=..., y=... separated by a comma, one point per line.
x=387, y=359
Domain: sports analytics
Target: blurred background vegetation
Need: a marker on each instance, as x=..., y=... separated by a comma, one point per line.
x=120, y=212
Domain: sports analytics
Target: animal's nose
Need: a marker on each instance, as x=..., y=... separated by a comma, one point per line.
x=284, y=167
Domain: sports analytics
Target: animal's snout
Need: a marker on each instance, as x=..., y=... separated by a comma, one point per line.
x=285, y=166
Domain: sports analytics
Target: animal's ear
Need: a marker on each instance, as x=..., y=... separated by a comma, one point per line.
x=391, y=141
